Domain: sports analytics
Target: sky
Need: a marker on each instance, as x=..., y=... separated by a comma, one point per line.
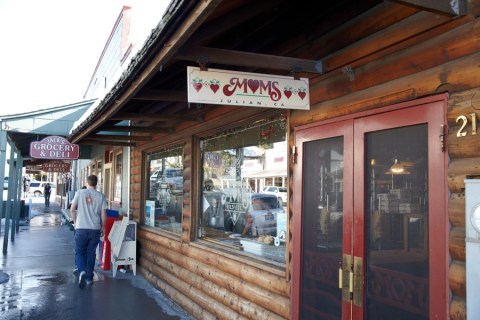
x=49, y=48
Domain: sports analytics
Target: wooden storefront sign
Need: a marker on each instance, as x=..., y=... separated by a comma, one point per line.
x=247, y=89
x=56, y=166
x=54, y=147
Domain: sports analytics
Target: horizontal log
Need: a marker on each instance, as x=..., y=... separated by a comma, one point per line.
x=267, y=280
x=463, y=103
x=136, y=215
x=442, y=7
x=395, y=34
x=457, y=279
x=212, y=306
x=458, y=309
x=462, y=147
x=459, y=170
x=318, y=43
x=456, y=244
x=241, y=288
x=217, y=292
x=456, y=210
x=449, y=46
x=475, y=8
x=461, y=74
x=187, y=304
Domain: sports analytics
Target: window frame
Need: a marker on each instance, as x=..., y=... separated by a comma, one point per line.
x=146, y=182
x=117, y=189
x=197, y=193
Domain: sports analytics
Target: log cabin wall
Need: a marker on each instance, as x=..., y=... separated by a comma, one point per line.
x=212, y=284
x=458, y=76
x=208, y=283
x=464, y=163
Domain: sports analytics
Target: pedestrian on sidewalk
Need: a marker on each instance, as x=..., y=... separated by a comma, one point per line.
x=26, y=185
x=75, y=268
x=89, y=216
x=46, y=193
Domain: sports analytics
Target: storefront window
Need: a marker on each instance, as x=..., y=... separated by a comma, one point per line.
x=163, y=206
x=118, y=177
x=238, y=208
x=99, y=175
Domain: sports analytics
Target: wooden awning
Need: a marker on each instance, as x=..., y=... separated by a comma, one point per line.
x=337, y=39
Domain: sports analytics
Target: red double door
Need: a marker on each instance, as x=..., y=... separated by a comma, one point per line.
x=371, y=218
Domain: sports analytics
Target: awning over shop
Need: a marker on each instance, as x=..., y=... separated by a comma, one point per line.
x=267, y=174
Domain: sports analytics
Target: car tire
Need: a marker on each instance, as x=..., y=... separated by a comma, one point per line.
x=37, y=194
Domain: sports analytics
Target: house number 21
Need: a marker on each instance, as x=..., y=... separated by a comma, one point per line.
x=462, y=132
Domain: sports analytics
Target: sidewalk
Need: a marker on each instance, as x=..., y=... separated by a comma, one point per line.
x=36, y=279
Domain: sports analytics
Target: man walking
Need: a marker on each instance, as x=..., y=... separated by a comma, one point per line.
x=89, y=216
x=46, y=193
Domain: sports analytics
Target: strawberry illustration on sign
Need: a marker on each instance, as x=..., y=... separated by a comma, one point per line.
x=287, y=90
x=197, y=83
x=302, y=92
x=214, y=85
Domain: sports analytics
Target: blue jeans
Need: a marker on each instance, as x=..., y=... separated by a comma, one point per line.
x=86, y=242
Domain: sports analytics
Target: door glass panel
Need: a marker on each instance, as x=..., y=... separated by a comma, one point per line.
x=396, y=218
x=322, y=228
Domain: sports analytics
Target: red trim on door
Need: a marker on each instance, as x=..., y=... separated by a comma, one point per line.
x=431, y=110
x=345, y=129
x=434, y=114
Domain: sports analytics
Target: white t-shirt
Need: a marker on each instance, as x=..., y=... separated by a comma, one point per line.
x=89, y=203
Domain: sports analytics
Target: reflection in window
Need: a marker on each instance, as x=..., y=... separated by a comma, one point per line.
x=397, y=219
x=237, y=208
x=163, y=205
x=118, y=177
x=99, y=175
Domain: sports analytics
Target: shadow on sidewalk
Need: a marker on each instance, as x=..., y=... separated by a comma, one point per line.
x=36, y=279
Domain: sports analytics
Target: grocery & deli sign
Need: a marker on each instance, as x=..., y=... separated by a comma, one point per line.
x=54, y=147
x=247, y=89
x=56, y=166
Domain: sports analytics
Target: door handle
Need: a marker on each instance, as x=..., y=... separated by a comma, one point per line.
x=340, y=275
x=350, y=282
x=350, y=279
x=357, y=281
x=344, y=277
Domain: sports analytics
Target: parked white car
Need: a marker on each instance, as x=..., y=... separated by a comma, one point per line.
x=36, y=188
x=280, y=192
x=5, y=183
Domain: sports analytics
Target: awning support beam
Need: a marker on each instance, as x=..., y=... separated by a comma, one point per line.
x=249, y=59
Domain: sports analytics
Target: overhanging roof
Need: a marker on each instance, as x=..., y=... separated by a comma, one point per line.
x=24, y=128
x=324, y=42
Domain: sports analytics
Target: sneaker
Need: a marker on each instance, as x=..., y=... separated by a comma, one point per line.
x=82, y=279
x=89, y=282
x=75, y=271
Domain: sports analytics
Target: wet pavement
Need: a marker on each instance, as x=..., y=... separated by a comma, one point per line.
x=36, y=279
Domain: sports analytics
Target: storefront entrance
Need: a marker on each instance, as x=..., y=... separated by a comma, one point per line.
x=373, y=217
